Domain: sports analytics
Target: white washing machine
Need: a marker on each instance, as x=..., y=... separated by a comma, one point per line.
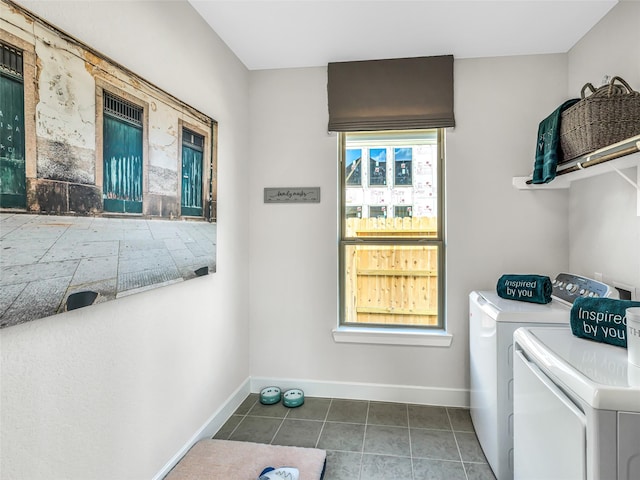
x=576, y=408
x=492, y=322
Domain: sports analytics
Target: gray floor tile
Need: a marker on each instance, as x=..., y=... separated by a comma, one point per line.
x=227, y=429
x=386, y=440
x=298, y=433
x=352, y=411
x=470, y=449
x=434, y=444
x=425, y=416
x=382, y=467
x=343, y=465
x=256, y=429
x=479, y=471
x=246, y=405
x=460, y=419
x=394, y=414
x=369, y=440
x=277, y=410
x=425, y=469
x=342, y=436
x=311, y=409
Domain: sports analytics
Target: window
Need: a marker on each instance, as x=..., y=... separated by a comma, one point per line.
x=377, y=166
x=353, y=166
x=353, y=211
x=392, y=250
x=401, y=211
x=403, y=157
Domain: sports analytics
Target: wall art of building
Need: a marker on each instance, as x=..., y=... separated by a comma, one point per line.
x=88, y=145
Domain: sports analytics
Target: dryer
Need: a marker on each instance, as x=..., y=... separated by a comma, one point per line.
x=492, y=323
x=576, y=408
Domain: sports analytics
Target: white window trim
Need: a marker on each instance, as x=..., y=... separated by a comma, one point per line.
x=392, y=336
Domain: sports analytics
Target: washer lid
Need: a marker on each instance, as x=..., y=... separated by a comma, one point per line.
x=504, y=310
x=597, y=372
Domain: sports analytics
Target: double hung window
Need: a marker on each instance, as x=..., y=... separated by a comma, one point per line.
x=391, y=236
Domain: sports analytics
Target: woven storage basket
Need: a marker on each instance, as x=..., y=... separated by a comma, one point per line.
x=606, y=116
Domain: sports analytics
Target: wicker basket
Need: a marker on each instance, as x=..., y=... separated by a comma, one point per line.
x=606, y=116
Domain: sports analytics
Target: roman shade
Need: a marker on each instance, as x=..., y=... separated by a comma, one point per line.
x=394, y=94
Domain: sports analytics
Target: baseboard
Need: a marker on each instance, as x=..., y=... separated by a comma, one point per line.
x=450, y=397
x=211, y=426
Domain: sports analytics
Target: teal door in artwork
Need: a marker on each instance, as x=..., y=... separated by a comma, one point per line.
x=12, y=146
x=122, y=156
x=192, y=155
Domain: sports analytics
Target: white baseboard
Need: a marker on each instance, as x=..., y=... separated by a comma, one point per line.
x=211, y=426
x=450, y=397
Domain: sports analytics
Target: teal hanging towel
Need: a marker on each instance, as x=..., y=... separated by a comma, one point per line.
x=525, y=288
x=548, y=151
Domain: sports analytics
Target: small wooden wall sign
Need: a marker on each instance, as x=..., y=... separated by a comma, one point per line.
x=292, y=195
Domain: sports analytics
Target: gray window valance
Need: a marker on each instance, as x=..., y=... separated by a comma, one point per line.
x=394, y=94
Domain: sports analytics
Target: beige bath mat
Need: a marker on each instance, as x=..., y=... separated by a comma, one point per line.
x=226, y=459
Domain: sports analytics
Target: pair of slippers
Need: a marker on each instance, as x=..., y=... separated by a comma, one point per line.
x=291, y=398
x=282, y=473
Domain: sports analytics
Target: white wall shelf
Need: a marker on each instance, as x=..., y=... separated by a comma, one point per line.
x=564, y=181
x=585, y=169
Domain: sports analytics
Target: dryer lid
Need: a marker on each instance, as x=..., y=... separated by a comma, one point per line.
x=598, y=373
x=504, y=310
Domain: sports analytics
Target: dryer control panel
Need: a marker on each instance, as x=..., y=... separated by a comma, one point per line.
x=567, y=287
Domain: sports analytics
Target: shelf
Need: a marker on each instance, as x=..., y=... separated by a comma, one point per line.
x=564, y=181
x=625, y=154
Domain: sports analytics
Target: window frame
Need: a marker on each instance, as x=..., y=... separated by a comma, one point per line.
x=401, y=333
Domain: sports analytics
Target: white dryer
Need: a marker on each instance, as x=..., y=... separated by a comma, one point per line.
x=576, y=408
x=492, y=323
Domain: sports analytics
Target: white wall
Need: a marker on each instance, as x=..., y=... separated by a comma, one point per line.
x=115, y=390
x=491, y=227
x=604, y=221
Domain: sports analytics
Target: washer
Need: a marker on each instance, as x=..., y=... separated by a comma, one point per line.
x=492, y=323
x=576, y=408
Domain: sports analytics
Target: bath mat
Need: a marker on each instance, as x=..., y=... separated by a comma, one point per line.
x=222, y=459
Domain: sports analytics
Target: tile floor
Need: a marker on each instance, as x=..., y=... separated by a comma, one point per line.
x=368, y=440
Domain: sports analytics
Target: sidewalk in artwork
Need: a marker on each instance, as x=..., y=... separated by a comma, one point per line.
x=44, y=259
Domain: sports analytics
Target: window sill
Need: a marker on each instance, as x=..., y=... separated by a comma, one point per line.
x=392, y=336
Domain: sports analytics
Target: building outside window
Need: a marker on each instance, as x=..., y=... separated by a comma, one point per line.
x=392, y=253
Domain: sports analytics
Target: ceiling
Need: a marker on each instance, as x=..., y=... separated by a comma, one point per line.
x=268, y=34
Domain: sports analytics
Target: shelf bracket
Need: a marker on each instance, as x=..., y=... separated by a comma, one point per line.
x=636, y=185
x=631, y=182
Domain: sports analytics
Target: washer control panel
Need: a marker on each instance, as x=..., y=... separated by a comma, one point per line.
x=568, y=287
